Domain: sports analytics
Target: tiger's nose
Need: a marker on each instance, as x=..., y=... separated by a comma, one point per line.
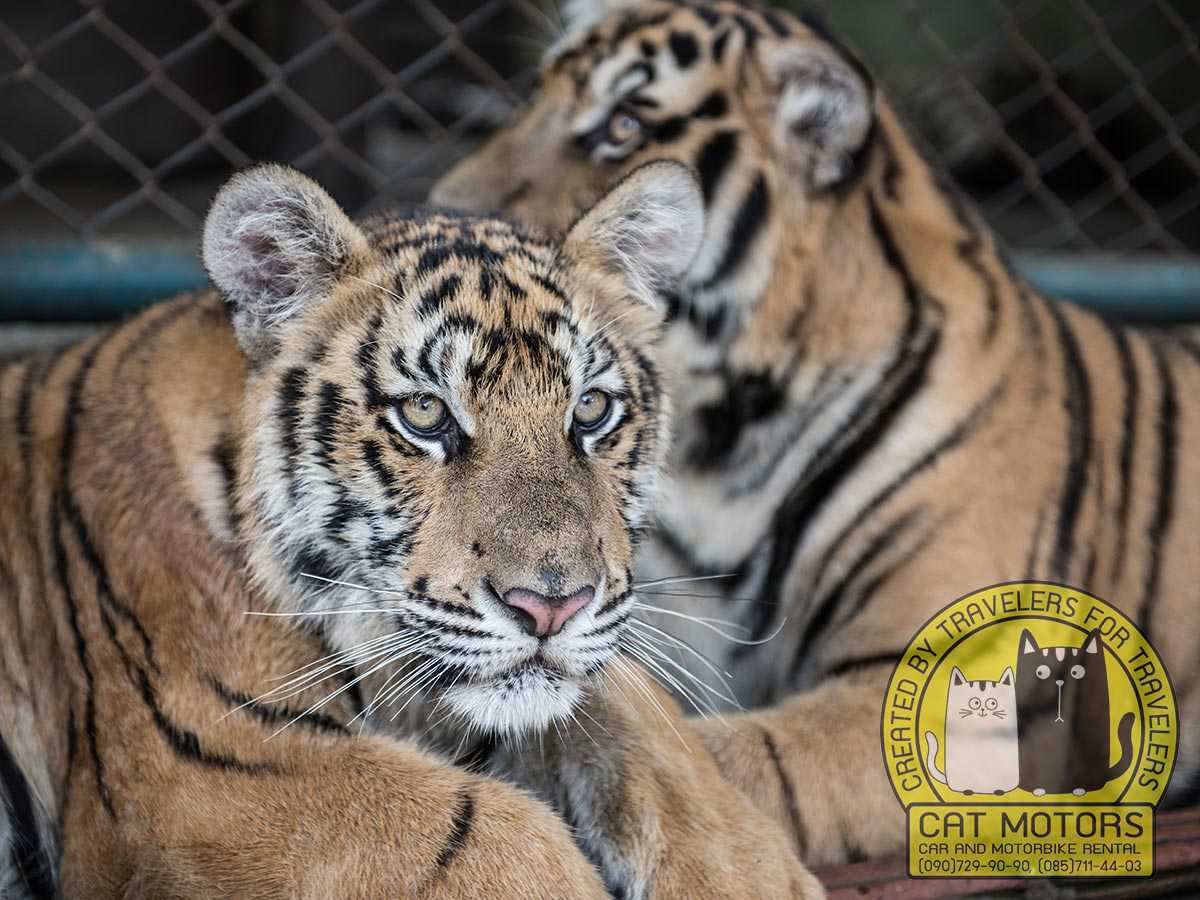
x=541, y=615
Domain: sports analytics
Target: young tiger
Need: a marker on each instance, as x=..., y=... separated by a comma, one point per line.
x=426, y=442
x=874, y=415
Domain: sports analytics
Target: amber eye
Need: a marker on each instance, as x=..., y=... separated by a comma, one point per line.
x=423, y=413
x=592, y=410
x=623, y=126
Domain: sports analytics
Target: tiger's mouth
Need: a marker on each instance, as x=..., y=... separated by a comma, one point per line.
x=529, y=696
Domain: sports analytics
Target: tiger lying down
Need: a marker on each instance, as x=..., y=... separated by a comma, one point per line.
x=873, y=414
x=421, y=448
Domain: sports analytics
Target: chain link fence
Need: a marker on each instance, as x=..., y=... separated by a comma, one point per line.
x=1074, y=123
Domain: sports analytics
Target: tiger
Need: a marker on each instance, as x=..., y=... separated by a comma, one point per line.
x=874, y=413
x=272, y=552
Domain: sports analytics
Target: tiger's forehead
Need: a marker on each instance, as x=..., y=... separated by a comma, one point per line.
x=690, y=32
x=474, y=305
x=495, y=271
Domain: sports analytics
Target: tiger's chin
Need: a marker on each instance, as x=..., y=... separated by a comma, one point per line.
x=526, y=699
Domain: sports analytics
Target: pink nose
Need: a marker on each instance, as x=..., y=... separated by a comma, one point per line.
x=542, y=615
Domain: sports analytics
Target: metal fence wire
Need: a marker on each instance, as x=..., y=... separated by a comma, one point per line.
x=1074, y=123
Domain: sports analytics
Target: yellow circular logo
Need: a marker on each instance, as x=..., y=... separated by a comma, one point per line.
x=1030, y=729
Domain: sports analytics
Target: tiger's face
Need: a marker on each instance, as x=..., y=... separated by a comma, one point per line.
x=452, y=431
x=770, y=113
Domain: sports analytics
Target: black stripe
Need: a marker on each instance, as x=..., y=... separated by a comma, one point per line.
x=714, y=160
x=29, y=857
x=775, y=23
x=464, y=817
x=964, y=429
x=818, y=623
x=749, y=29
x=855, y=664
x=789, y=794
x=72, y=412
x=841, y=454
x=1078, y=403
x=711, y=107
x=1168, y=409
x=749, y=219
x=224, y=457
x=185, y=742
x=290, y=412
x=747, y=399
x=719, y=43
x=95, y=563
x=683, y=47
x=81, y=652
x=435, y=298
x=1129, y=421
x=870, y=588
x=273, y=714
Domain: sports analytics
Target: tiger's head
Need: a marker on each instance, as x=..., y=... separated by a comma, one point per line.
x=452, y=430
x=771, y=112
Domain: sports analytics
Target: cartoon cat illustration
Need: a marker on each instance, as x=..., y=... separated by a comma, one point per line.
x=981, y=736
x=1063, y=719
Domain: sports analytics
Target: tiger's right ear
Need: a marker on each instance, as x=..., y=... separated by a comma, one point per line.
x=274, y=243
x=956, y=677
x=824, y=106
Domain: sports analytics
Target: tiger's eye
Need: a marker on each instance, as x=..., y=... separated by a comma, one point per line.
x=1042, y=672
x=592, y=409
x=623, y=126
x=423, y=412
x=1076, y=672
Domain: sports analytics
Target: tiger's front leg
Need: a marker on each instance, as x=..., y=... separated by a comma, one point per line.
x=349, y=818
x=648, y=804
x=812, y=762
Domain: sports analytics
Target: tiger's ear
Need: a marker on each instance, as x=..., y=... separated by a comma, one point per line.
x=1091, y=643
x=1007, y=677
x=1028, y=643
x=274, y=243
x=646, y=230
x=956, y=677
x=824, y=106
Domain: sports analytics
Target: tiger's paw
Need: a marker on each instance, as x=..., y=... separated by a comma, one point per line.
x=649, y=808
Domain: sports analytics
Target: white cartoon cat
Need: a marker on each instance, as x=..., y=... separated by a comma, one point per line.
x=981, y=736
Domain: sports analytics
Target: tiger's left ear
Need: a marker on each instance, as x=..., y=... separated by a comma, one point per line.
x=1091, y=643
x=646, y=230
x=824, y=107
x=1007, y=677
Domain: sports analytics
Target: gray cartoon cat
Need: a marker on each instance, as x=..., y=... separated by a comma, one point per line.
x=981, y=736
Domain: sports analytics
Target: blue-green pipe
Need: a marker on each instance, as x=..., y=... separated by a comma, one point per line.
x=46, y=282
x=42, y=282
